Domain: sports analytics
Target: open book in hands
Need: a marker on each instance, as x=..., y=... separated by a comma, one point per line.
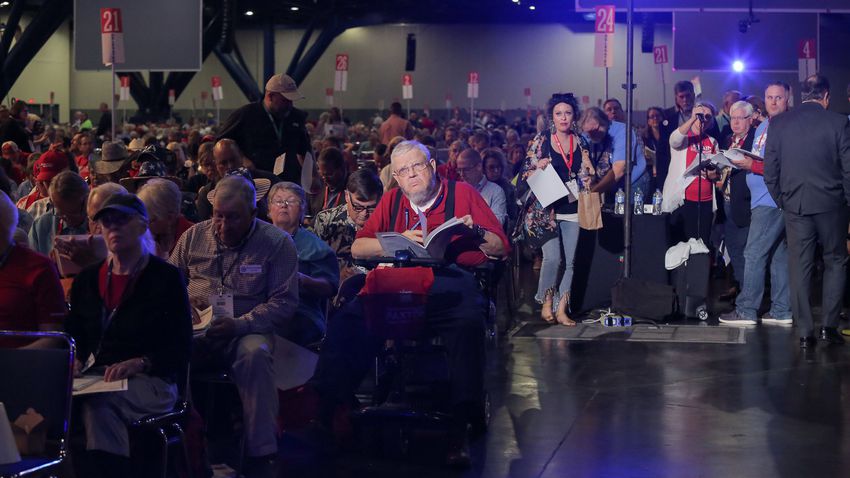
x=721, y=160
x=435, y=243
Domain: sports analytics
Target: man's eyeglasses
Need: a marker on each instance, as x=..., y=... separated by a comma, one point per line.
x=287, y=203
x=359, y=209
x=739, y=118
x=415, y=168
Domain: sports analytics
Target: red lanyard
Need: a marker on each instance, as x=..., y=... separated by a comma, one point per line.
x=570, y=162
x=337, y=201
x=59, y=227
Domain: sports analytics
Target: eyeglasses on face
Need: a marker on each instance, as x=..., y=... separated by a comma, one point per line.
x=114, y=220
x=415, y=168
x=359, y=208
x=286, y=203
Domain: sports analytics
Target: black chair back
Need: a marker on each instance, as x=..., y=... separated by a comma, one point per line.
x=38, y=378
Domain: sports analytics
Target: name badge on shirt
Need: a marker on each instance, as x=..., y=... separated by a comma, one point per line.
x=572, y=189
x=222, y=305
x=252, y=269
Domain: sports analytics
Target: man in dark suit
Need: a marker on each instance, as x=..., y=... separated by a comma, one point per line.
x=807, y=171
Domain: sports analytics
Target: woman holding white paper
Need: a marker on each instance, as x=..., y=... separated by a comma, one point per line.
x=555, y=228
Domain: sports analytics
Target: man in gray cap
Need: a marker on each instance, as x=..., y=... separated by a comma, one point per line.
x=270, y=128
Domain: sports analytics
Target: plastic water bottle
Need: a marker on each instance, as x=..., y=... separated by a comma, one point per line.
x=638, y=200
x=656, y=202
x=620, y=202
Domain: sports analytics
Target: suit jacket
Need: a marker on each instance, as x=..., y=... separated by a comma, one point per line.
x=807, y=160
x=739, y=192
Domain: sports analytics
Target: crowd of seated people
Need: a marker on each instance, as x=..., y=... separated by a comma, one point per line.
x=259, y=226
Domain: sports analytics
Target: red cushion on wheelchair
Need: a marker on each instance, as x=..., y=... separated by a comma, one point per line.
x=394, y=301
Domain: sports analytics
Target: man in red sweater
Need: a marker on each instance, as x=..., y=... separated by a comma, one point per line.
x=456, y=308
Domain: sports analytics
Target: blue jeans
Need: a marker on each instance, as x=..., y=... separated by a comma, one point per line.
x=766, y=239
x=552, y=250
x=735, y=239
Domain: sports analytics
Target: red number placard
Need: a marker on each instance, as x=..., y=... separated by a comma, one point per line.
x=110, y=20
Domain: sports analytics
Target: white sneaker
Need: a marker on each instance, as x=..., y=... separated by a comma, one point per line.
x=769, y=319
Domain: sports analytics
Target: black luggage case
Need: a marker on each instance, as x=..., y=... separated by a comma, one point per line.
x=691, y=282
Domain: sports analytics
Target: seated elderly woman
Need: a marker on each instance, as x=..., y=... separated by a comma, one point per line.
x=318, y=272
x=130, y=319
x=163, y=199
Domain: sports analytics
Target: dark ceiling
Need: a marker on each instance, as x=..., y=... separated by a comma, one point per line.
x=415, y=11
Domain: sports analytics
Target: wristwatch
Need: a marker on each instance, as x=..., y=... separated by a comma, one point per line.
x=479, y=231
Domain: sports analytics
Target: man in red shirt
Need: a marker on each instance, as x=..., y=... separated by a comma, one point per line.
x=31, y=296
x=456, y=308
x=46, y=167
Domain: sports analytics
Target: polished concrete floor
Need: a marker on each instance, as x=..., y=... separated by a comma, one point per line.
x=619, y=409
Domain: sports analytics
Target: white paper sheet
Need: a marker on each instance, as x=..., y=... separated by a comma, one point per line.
x=547, y=186
x=95, y=384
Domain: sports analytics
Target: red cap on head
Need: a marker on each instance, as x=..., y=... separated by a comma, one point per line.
x=49, y=164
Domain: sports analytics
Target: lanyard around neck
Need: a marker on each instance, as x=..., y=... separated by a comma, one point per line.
x=570, y=162
x=278, y=128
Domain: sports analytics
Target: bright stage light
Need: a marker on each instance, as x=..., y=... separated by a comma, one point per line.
x=738, y=66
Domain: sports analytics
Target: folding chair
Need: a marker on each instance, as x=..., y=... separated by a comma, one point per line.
x=40, y=379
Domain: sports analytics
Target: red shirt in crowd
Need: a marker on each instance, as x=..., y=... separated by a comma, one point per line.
x=448, y=171
x=30, y=292
x=183, y=225
x=700, y=189
x=118, y=284
x=463, y=249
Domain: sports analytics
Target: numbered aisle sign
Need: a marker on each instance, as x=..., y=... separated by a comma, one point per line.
x=124, y=93
x=341, y=73
x=407, y=86
x=603, y=53
x=448, y=101
x=111, y=36
x=472, y=85
x=172, y=97
x=329, y=96
x=217, y=94
x=527, y=93
x=806, y=59
x=659, y=56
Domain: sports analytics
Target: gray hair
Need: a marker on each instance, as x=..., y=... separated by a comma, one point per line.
x=407, y=146
x=162, y=198
x=597, y=114
x=8, y=217
x=708, y=105
x=69, y=185
x=105, y=191
x=12, y=145
x=236, y=187
x=293, y=188
x=742, y=105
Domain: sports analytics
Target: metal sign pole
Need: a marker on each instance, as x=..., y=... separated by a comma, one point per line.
x=627, y=219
